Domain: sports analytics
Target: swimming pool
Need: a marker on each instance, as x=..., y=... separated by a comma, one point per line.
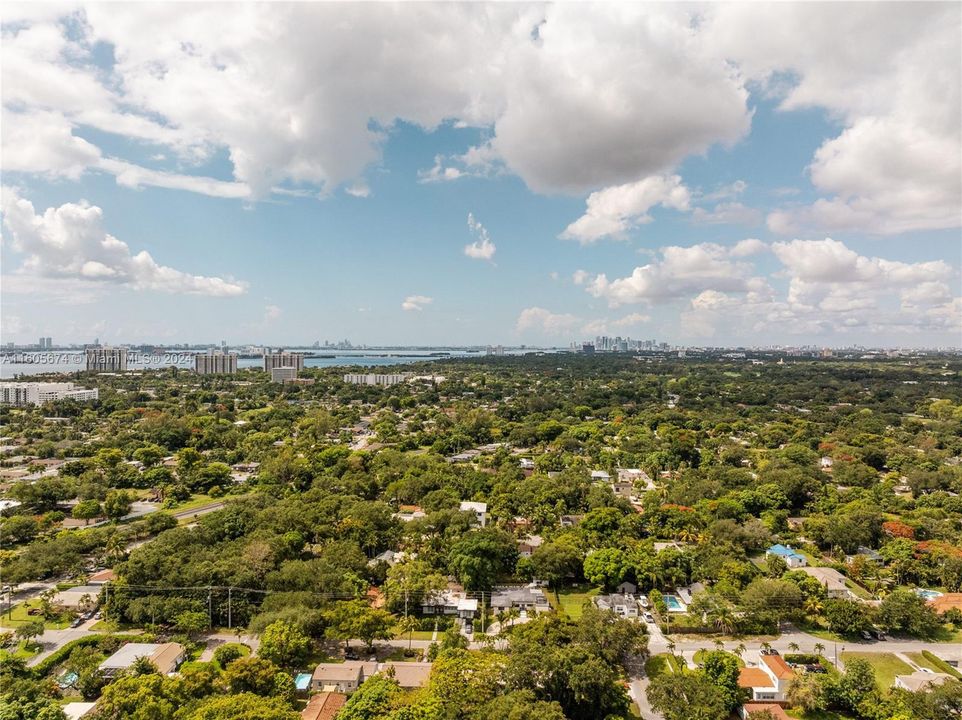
x=927, y=594
x=673, y=603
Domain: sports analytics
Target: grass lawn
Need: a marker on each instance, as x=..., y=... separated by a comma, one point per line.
x=657, y=665
x=25, y=652
x=572, y=599
x=885, y=665
x=18, y=616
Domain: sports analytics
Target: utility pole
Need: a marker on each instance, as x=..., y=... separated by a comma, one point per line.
x=484, y=615
x=210, y=608
x=230, y=623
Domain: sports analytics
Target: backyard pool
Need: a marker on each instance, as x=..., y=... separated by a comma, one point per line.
x=674, y=604
x=927, y=594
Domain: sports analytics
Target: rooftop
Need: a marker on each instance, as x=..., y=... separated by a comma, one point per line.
x=323, y=706
x=778, y=666
x=751, y=677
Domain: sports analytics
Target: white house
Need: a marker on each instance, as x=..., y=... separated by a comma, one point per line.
x=792, y=559
x=479, y=509
x=769, y=680
x=832, y=580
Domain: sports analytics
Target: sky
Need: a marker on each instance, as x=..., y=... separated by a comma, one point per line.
x=434, y=174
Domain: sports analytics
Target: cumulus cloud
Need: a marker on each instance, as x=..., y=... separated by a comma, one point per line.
x=679, y=271
x=728, y=213
x=545, y=322
x=70, y=242
x=266, y=84
x=615, y=210
x=897, y=164
x=416, y=302
x=833, y=290
x=482, y=248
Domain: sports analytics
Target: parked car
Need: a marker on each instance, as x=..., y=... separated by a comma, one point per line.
x=866, y=634
x=649, y=618
x=643, y=601
x=768, y=651
x=814, y=668
x=77, y=622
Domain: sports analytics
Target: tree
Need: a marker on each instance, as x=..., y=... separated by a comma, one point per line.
x=555, y=561
x=117, y=504
x=688, y=696
x=806, y=692
x=846, y=617
x=191, y=623
x=519, y=705
x=255, y=675
x=356, y=619
x=722, y=669
x=904, y=611
x=480, y=556
x=228, y=653
x=373, y=700
x=244, y=706
x=606, y=567
x=856, y=684
x=86, y=510
x=30, y=630
x=284, y=644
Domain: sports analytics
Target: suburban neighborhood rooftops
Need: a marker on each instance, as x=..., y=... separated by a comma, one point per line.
x=783, y=551
x=752, y=677
x=920, y=680
x=778, y=666
x=323, y=706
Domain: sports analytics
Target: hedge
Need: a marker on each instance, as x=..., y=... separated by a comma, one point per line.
x=60, y=654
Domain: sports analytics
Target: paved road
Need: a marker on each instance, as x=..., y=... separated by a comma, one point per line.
x=198, y=511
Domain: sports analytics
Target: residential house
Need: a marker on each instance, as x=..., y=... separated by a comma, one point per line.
x=946, y=601
x=600, y=476
x=450, y=602
x=867, y=553
x=409, y=675
x=792, y=558
x=78, y=597
x=776, y=711
x=407, y=513
x=769, y=680
x=323, y=706
x=519, y=598
x=479, y=509
x=920, y=680
x=526, y=463
x=527, y=545
x=102, y=577
x=636, y=476
x=345, y=677
x=167, y=657
x=624, y=605
x=832, y=580
x=569, y=521
x=627, y=588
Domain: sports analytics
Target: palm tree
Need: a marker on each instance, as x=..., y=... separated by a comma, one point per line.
x=766, y=646
x=719, y=643
x=671, y=647
x=723, y=619
x=819, y=649
x=793, y=646
x=812, y=607
x=740, y=649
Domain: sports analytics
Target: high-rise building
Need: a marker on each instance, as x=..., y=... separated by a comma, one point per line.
x=385, y=379
x=283, y=374
x=106, y=359
x=49, y=342
x=282, y=359
x=215, y=363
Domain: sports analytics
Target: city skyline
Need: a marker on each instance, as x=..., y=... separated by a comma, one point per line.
x=478, y=175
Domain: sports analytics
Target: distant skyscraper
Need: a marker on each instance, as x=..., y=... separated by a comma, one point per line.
x=49, y=342
x=283, y=359
x=215, y=363
x=106, y=359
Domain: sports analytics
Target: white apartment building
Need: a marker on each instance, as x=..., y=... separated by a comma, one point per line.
x=215, y=363
x=106, y=359
x=283, y=374
x=384, y=379
x=21, y=394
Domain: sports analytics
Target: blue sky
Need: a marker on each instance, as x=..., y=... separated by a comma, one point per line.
x=647, y=190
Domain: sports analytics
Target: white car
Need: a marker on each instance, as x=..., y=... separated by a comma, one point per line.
x=649, y=618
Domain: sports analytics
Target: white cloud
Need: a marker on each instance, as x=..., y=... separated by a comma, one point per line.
x=416, y=302
x=747, y=247
x=272, y=313
x=71, y=242
x=832, y=261
x=358, y=189
x=679, y=271
x=615, y=210
x=545, y=322
x=728, y=213
x=482, y=248
x=890, y=73
x=267, y=83
x=136, y=177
